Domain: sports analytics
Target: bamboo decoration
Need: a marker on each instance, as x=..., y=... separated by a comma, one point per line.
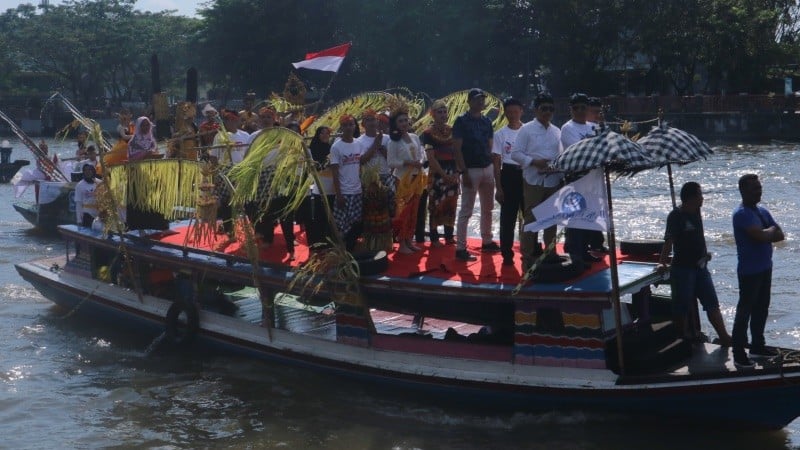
x=205, y=215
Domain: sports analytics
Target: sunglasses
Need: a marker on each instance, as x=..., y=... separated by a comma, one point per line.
x=547, y=108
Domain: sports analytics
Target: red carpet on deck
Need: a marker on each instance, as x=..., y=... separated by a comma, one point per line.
x=434, y=262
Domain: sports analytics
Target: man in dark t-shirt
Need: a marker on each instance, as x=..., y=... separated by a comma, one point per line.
x=689, y=277
x=472, y=140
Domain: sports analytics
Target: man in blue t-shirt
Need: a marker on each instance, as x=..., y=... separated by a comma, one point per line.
x=472, y=139
x=754, y=230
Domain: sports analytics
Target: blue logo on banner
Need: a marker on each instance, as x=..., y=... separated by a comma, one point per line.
x=574, y=202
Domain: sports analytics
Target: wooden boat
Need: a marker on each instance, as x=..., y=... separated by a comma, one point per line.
x=424, y=322
x=54, y=205
x=7, y=167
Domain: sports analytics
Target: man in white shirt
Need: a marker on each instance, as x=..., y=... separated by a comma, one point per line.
x=374, y=143
x=345, y=166
x=85, y=202
x=538, y=143
x=509, y=190
x=578, y=128
x=239, y=140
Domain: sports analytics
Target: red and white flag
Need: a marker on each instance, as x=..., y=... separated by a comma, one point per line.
x=328, y=60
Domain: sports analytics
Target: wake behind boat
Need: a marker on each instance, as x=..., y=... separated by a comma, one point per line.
x=431, y=324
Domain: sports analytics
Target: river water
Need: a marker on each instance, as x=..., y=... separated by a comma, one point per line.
x=67, y=382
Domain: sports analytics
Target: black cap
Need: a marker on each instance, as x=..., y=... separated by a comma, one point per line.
x=579, y=98
x=541, y=98
x=510, y=101
x=475, y=92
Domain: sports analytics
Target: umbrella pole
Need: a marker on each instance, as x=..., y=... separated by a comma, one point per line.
x=612, y=245
x=671, y=186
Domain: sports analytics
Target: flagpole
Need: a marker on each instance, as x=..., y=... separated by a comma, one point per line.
x=325, y=91
x=612, y=246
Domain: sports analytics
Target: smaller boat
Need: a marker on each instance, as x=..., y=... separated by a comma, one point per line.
x=8, y=168
x=54, y=205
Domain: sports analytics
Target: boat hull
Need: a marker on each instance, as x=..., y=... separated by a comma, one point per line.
x=736, y=400
x=48, y=216
x=8, y=170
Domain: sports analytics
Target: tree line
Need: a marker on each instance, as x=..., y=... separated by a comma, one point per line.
x=100, y=50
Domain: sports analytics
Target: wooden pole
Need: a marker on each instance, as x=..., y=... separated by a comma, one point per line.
x=325, y=91
x=615, y=301
x=671, y=186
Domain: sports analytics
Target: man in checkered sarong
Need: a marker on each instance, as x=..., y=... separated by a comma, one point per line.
x=345, y=164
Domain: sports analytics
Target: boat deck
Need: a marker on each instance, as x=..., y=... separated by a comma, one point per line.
x=438, y=265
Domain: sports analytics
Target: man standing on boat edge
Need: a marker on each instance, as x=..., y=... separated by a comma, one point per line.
x=754, y=230
x=689, y=277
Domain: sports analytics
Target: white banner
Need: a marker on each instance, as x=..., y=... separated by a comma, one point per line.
x=581, y=204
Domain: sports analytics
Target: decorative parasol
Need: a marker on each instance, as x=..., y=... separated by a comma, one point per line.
x=609, y=149
x=665, y=146
x=613, y=152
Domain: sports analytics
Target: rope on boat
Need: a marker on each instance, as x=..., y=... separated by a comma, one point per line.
x=787, y=358
x=551, y=247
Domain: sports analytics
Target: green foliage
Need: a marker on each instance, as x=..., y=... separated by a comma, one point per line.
x=103, y=47
x=99, y=48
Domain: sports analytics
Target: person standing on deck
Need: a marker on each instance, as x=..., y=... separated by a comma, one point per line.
x=538, y=143
x=85, y=202
x=378, y=185
x=143, y=144
x=689, y=277
x=755, y=231
x=578, y=128
x=81, y=138
x=443, y=182
x=375, y=142
x=405, y=155
x=473, y=139
x=345, y=164
x=249, y=119
x=223, y=154
x=509, y=191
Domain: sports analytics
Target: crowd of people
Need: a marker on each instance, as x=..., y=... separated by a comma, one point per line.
x=388, y=185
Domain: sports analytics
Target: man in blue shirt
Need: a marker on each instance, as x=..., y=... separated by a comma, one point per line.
x=472, y=139
x=754, y=230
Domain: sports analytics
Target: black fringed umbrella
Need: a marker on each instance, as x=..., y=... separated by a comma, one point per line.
x=665, y=146
x=610, y=150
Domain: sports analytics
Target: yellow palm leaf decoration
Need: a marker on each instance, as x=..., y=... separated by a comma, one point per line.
x=457, y=105
x=156, y=185
x=282, y=151
x=280, y=104
x=356, y=105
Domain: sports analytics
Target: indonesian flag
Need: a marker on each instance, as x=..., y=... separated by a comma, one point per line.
x=328, y=60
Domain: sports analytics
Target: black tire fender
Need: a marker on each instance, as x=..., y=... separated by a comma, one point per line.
x=371, y=263
x=557, y=271
x=182, y=322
